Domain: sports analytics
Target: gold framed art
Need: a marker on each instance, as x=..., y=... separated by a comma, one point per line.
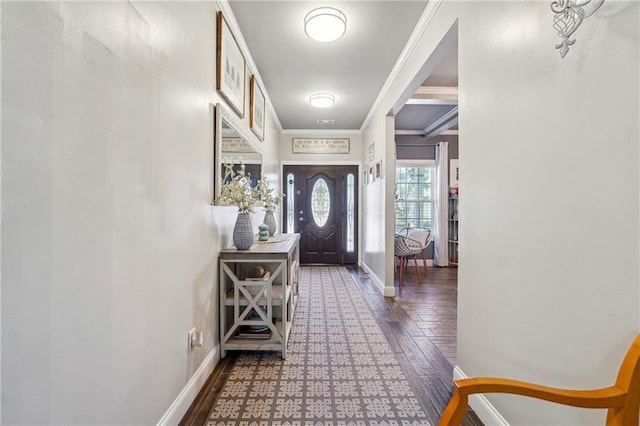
x=256, y=108
x=230, y=67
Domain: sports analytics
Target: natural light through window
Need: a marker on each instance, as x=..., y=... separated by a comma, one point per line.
x=350, y=213
x=414, y=202
x=320, y=202
x=290, y=203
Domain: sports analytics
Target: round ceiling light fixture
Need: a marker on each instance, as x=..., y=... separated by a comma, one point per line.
x=322, y=100
x=325, y=24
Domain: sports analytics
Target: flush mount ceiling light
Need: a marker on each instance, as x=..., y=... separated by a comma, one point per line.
x=322, y=100
x=325, y=24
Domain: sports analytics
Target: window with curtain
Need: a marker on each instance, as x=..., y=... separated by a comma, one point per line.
x=414, y=202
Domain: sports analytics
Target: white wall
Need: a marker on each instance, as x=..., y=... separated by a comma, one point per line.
x=109, y=243
x=549, y=236
x=378, y=204
x=373, y=238
x=549, y=249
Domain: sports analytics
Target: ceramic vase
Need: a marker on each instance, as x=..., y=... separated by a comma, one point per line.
x=270, y=221
x=243, y=232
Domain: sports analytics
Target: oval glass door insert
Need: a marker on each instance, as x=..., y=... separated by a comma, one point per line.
x=320, y=202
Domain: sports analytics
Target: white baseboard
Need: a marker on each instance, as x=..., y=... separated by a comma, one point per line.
x=178, y=409
x=481, y=405
x=385, y=291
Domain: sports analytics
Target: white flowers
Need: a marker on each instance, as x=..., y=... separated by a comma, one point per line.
x=236, y=188
x=265, y=195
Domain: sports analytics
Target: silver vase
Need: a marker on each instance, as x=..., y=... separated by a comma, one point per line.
x=243, y=232
x=270, y=221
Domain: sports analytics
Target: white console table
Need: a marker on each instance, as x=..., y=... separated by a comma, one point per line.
x=265, y=303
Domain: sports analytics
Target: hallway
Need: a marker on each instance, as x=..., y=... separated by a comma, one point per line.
x=419, y=325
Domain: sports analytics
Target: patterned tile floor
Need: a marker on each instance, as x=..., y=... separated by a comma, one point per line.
x=340, y=368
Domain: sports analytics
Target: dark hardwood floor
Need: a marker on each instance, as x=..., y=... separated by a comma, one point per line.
x=420, y=323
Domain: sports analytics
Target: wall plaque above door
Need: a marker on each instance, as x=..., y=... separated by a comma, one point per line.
x=320, y=145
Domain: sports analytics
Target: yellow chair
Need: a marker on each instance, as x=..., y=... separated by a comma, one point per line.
x=622, y=400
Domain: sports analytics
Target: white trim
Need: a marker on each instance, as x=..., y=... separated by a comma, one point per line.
x=449, y=132
x=320, y=132
x=430, y=101
x=407, y=52
x=409, y=133
x=332, y=163
x=416, y=163
x=437, y=91
x=385, y=291
x=224, y=6
x=181, y=404
x=318, y=163
x=481, y=405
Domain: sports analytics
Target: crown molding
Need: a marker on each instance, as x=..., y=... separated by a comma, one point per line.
x=427, y=91
x=332, y=132
x=223, y=5
x=409, y=47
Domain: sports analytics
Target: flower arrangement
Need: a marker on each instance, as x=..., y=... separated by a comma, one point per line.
x=265, y=194
x=236, y=189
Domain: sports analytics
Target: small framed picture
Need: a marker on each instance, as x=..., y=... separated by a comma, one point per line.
x=230, y=67
x=256, y=108
x=372, y=176
x=378, y=169
x=365, y=177
x=454, y=172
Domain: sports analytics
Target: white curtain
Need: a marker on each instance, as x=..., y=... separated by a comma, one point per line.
x=440, y=205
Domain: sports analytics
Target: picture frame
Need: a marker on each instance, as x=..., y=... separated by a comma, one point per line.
x=365, y=176
x=372, y=176
x=256, y=108
x=454, y=172
x=378, y=169
x=230, y=67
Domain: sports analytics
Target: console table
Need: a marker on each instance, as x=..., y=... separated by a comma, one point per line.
x=256, y=313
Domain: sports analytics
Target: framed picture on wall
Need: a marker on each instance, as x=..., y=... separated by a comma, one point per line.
x=256, y=108
x=230, y=67
x=378, y=169
x=372, y=176
x=454, y=173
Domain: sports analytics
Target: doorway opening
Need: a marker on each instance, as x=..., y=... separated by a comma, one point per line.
x=426, y=136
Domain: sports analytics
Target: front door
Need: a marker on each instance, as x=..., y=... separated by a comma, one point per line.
x=321, y=205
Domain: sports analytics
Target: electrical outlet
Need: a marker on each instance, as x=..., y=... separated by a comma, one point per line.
x=195, y=339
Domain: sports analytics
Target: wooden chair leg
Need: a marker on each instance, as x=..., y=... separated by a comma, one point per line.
x=401, y=269
x=415, y=262
x=424, y=263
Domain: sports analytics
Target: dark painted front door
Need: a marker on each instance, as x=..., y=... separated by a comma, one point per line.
x=324, y=211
